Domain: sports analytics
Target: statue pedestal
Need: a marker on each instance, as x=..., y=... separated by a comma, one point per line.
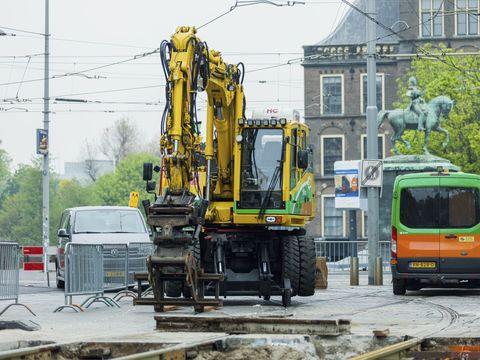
x=400, y=165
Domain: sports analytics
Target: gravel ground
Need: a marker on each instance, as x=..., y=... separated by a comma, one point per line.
x=434, y=312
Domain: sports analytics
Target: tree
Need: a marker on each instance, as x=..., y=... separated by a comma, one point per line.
x=90, y=154
x=115, y=188
x=4, y=172
x=458, y=78
x=119, y=140
x=21, y=210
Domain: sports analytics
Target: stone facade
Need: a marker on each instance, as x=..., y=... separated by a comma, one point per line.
x=342, y=54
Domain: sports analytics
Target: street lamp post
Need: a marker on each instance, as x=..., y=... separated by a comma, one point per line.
x=46, y=169
x=372, y=140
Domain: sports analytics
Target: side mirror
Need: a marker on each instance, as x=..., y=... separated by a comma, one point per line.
x=147, y=171
x=302, y=160
x=151, y=186
x=62, y=233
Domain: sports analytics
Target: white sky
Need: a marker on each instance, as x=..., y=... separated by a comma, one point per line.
x=139, y=26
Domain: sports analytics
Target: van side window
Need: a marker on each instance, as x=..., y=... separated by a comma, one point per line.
x=459, y=207
x=419, y=207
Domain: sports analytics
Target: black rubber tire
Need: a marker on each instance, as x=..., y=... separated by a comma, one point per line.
x=308, y=257
x=60, y=283
x=286, y=298
x=291, y=262
x=399, y=287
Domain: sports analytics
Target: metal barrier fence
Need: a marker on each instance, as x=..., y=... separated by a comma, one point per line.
x=115, y=266
x=10, y=274
x=338, y=253
x=84, y=275
x=137, y=258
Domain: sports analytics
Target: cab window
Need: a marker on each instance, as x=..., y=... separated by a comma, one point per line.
x=419, y=207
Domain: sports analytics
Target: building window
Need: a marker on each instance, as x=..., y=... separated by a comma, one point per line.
x=333, y=224
x=466, y=17
x=431, y=18
x=381, y=146
x=331, y=87
x=332, y=150
x=380, y=92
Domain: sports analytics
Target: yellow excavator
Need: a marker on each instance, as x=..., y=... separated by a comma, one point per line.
x=230, y=210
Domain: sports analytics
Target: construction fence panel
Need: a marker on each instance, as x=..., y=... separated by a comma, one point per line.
x=115, y=266
x=339, y=253
x=137, y=258
x=9, y=271
x=83, y=269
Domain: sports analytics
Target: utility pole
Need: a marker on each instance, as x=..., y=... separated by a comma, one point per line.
x=372, y=138
x=46, y=170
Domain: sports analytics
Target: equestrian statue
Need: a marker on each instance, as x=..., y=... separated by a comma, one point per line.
x=419, y=115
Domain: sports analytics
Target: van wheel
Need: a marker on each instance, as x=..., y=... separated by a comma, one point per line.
x=60, y=283
x=399, y=287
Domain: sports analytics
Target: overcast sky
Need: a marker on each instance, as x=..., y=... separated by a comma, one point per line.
x=126, y=28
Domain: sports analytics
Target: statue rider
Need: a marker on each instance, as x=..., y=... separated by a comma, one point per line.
x=417, y=105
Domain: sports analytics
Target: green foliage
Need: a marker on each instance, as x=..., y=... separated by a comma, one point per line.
x=21, y=211
x=457, y=78
x=115, y=188
x=4, y=172
x=21, y=208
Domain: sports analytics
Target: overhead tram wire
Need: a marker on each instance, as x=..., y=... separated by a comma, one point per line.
x=245, y=3
x=135, y=57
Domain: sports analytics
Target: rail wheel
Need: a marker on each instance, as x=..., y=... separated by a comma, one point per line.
x=195, y=250
x=173, y=288
x=306, y=285
x=291, y=262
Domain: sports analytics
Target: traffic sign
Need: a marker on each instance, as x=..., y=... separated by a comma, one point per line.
x=372, y=173
x=134, y=197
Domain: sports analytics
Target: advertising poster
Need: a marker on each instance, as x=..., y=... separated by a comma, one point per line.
x=347, y=189
x=42, y=142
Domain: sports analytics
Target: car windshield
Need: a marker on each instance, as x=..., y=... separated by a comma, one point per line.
x=108, y=221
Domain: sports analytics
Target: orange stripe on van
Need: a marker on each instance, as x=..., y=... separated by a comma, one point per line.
x=418, y=245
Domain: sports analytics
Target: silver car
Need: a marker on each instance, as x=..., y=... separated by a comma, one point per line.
x=98, y=225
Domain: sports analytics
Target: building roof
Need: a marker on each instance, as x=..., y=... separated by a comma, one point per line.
x=352, y=28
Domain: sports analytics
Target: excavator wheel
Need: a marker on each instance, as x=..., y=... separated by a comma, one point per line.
x=306, y=247
x=291, y=262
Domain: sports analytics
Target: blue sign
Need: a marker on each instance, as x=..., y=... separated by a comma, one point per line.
x=42, y=142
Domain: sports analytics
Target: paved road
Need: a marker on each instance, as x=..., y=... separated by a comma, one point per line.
x=424, y=313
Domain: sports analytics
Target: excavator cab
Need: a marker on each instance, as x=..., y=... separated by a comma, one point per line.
x=275, y=172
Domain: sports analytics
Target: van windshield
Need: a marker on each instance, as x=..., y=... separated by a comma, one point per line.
x=444, y=207
x=108, y=221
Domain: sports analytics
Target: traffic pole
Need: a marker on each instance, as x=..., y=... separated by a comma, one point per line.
x=372, y=139
x=46, y=169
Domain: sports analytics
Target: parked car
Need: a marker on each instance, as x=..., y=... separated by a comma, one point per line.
x=435, y=231
x=98, y=225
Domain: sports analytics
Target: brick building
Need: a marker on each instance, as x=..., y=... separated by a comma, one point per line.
x=335, y=84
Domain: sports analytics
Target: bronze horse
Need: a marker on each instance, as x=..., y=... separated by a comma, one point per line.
x=404, y=119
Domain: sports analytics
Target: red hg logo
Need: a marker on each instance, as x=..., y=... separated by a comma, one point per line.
x=271, y=111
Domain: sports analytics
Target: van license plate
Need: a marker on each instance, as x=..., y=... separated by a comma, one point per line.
x=422, y=265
